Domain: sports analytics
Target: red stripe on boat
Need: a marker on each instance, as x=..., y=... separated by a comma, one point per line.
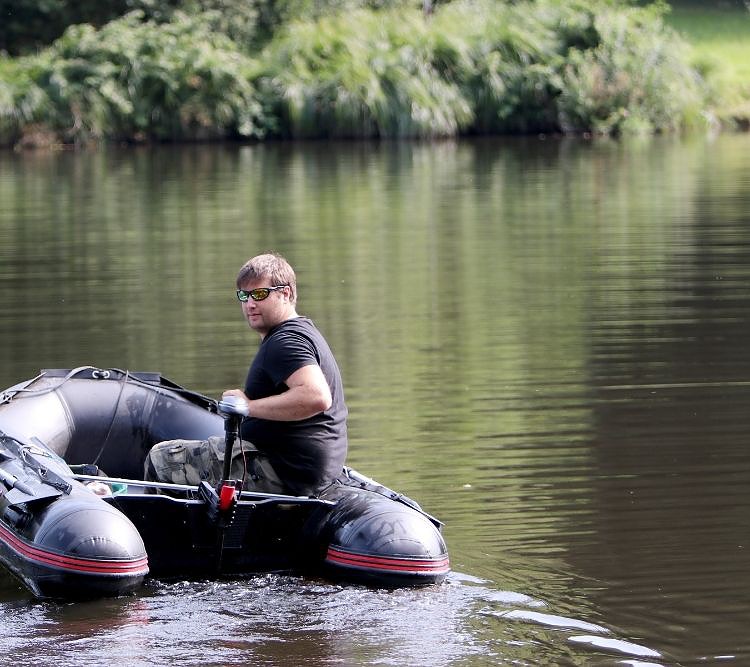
x=339, y=556
x=50, y=558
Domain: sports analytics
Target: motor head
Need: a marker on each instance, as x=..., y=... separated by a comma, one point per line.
x=233, y=406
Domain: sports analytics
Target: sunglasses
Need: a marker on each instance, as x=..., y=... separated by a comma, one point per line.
x=257, y=294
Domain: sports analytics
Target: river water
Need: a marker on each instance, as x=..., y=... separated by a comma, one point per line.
x=543, y=341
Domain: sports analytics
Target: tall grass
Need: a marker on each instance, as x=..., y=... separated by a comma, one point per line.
x=362, y=74
x=482, y=66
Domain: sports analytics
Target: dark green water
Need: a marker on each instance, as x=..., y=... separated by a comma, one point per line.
x=544, y=342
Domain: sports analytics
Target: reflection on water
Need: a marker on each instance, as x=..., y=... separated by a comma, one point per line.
x=542, y=342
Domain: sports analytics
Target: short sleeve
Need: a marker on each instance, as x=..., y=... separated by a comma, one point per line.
x=287, y=352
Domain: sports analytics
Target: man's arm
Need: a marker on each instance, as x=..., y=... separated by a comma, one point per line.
x=308, y=394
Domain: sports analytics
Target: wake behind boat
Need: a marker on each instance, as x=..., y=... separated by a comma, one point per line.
x=65, y=432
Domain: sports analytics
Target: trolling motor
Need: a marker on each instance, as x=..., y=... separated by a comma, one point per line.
x=233, y=409
x=221, y=502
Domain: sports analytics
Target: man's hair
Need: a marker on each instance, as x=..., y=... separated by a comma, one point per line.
x=271, y=266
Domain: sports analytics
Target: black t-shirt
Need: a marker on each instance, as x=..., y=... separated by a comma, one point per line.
x=310, y=453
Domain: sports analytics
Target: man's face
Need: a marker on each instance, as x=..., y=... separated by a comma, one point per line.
x=265, y=314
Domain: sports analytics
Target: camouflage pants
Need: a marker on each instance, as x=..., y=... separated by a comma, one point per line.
x=193, y=461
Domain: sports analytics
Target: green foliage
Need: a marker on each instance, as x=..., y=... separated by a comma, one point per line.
x=509, y=55
x=473, y=66
x=362, y=74
x=485, y=67
x=137, y=80
x=637, y=78
x=237, y=19
x=21, y=100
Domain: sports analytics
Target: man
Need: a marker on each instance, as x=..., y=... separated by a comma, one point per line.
x=293, y=391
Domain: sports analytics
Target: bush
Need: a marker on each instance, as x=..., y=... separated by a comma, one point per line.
x=508, y=62
x=136, y=80
x=484, y=67
x=473, y=66
x=637, y=78
x=362, y=74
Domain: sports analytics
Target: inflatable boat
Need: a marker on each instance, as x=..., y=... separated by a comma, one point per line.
x=77, y=519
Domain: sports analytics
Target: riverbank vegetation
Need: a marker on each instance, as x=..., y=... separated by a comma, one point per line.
x=216, y=69
x=719, y=35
